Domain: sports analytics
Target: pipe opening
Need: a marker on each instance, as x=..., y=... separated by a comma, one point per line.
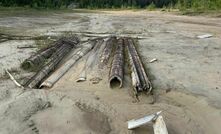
x=45, y=85
x=115, y=82
x=27, y=65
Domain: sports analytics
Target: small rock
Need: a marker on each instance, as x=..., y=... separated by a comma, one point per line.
x=168, y=90
x=31, y=123
x=97, y=98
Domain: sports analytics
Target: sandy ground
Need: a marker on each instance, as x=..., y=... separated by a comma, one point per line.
x=186, y=77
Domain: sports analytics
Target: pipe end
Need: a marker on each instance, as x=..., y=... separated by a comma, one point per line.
x=115, y=81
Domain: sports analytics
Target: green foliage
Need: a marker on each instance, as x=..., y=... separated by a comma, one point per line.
x=95, y=4
x=151, y=7
x=86, y=3
x=36, y=3
x=199, y=5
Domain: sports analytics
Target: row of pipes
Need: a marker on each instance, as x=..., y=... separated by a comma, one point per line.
x=139, y=77
x=114, y=52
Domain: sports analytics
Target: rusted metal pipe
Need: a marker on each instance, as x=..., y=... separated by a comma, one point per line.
x=105, y=56
x=134, y=74
x=50, y=81
x=66, y=47
x=117, y=73
x=40, y=57
x=140, y=80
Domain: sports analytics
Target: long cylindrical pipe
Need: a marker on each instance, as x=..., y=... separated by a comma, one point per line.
x=53, y=62
x=45, y=53
x=140, y=80
x=105, y=56
x=117, y=69
x=91, y=60
x=39, y=58
x=134, y=74
x=49, y=82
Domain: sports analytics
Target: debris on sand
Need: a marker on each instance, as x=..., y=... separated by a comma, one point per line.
x=153, y=60
x=95, y=80
x=204, y=36
x=26, y=46
x=82, y=76
x=13, y=79
x=142, y=121
x=159, y=126
x=157, y=120
x=46, y=77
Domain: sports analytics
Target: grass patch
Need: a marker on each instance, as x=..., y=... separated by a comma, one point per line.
x=151, y=7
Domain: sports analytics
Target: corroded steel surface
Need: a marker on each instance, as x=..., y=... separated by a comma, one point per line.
x=40, y=57
x=105, y=56
x=116, y=73
x=140, y=80
x=59, y=54
x=50, y=81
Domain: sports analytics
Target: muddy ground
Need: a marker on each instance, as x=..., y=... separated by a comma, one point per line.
x=186, y=77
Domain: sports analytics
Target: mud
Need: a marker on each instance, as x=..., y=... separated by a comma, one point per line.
x=186, y=77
